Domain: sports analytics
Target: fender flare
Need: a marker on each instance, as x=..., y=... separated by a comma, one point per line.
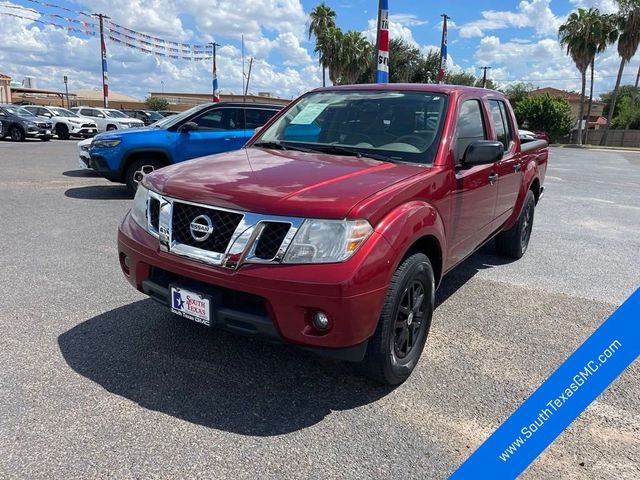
x=407, y=224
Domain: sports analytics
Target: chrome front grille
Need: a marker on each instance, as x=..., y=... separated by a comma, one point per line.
x=223, y=222
x=218, y=236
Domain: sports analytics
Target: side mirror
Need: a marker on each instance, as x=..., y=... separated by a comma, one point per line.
x=257, y=129
x=483, y=152
x=188, y=127
x=100, y=115
x=47, y=114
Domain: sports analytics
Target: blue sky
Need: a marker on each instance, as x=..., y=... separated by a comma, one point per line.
x=517, y=38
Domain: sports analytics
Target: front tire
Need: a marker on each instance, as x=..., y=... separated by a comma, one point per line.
x=110, y=128
x=137, y=165
x=45, y=139
x=17, y=134
x=514, y=242
x=62, y=131
x=396, y=346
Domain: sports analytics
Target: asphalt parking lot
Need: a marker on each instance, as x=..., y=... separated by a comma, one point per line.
x=97, y=381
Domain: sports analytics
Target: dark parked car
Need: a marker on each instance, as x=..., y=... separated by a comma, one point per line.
x=19, y=124
x=147, y=116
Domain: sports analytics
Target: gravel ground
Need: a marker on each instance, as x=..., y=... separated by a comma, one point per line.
x=98, y=381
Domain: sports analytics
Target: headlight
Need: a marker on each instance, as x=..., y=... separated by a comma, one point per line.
x=327, y=241
x=139, y=209
x=106, y=143
x=76, y=122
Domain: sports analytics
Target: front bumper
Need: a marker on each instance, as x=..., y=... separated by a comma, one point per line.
x=39, y=133
x=284, y=297
x=101, y=166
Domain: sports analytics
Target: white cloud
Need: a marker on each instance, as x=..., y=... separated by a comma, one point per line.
x=269, y=27
x=605, y=6
x=536, y=14
x=396, y=30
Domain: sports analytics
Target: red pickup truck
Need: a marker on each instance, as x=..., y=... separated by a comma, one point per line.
x=333, y=227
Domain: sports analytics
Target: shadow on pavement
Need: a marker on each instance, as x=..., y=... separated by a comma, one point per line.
x=80, y=173
x=210, y=377
x=484, y=258
x=99, y=192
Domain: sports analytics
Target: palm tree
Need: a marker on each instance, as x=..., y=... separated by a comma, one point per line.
x=321, y=19
x=329, y=48
x=355, y=56
x=628, y=20
x=574, y=35
x=602, y=33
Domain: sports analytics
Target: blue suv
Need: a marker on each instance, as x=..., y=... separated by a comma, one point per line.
x=202, y=130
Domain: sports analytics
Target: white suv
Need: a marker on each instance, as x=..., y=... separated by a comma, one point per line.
x=108, y=118
x=65, y=123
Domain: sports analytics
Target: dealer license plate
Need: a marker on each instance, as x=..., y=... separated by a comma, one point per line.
x=191, y=305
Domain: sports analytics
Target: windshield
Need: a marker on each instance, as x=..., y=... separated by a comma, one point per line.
x=63, y=112
x=115, y=114
x=168, y=122
x=155, y=116
x=400, y=126
x=21, y=112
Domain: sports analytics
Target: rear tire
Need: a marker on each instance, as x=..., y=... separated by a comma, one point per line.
x=514, y=242
x=129, y=176
x=396, y=346
x=62, y=131
x=45, y=139
x=17, y=134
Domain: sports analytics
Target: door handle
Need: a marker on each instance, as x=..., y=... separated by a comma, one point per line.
x=517, y=167
x=493, y=178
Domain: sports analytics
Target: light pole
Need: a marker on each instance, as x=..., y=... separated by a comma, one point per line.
x=162, y=83
x=103, y=51
x=66, y=91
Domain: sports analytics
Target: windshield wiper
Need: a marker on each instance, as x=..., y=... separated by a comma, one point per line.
x=348, y=151
x=280, y=146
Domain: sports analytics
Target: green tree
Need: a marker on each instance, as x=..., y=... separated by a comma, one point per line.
x=574, y=34
x=517, y=91
x=602, y=32
x=329, y=47
x=628, y=23
x=156, y=103
x=460, y=78
x=404, y=59
x=427, y=69
x=625, y=91
x=491, y=85
x=545, y=112
x=321, y=19
x=628, y=114
x=355, y=56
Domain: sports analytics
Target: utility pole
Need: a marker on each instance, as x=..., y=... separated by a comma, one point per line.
x=215, y=95
x=246, y=88
x=103, y=53
x=66, y=90
x=484, y=76
x=443, y=47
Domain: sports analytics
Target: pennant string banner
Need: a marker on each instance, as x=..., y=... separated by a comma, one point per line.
x=186, y=50
x=133, y=39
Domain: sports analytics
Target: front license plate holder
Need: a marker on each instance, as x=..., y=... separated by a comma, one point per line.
x=191, y=304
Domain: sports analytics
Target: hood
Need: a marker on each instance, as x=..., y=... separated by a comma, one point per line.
x=126, y=132
x=279, y=182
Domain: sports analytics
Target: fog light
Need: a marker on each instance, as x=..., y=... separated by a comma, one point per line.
x=320, y=320
x=125, y=263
